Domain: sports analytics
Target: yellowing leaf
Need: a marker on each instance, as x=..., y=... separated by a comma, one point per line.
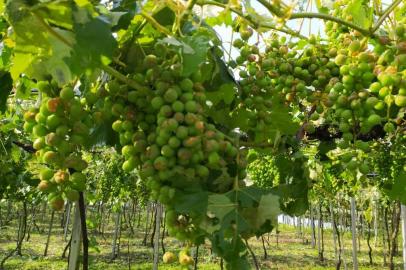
x=21, y=62
x=9, y=42
x=82, y=3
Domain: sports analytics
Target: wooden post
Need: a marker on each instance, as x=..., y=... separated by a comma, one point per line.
x=157, y=230
x=334, y=231
x=74, y=252
x=49, y=233
x=354, y=234
x=144, y=242
x=65, y=230
x=343, y=228
x=313, y=231
x=403, y=207
x=114, y=247
x=319, y=247
x=376, y=224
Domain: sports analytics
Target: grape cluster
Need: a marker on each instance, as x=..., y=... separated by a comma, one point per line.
x=263, y=172
x=166, y=136
x=60, y=127
x=283, y=74
x=370, y=93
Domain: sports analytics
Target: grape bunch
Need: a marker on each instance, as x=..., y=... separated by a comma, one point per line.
x=263, y=172
x=60, y=127
x=283, y=74
x=166, y=136
x=370, y=94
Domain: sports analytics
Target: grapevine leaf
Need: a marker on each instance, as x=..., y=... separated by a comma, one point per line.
x=40, y=54
x=6, y=85
x=57, y=13
x=15, y=154
x=6, y=54
x=222, y=182
x=24, y=87
x=238, y=263
x=249, y=196
x=398, y=190
x=224, y=17
x=189, y=202
x=123, y=14
x=22, y=21
x=103, y=134
x=268, y=209
x=219, y=205
x=226, y=93
x=361, y=13
x=94, y=44
x=225, y=211
x=185, y=48
x=320, y=7
x=262, y=217
x=221, y=74
x=301, y=44
x=56, y=65
x=21, y=62
x=219, y=116
x=233, y=251
x=281, y=120
x=240, y=118
x=165, y=16
x=293, y=198
x=323, y=148
x=191, y=61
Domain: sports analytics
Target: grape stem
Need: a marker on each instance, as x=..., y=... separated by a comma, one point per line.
x=385, y=15
x=257, y=145
x=156, y=24
x=26, y=147
x=124, y=79
x=189, y=7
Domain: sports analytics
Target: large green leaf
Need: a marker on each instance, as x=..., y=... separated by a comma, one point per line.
x=94, y=43
x=191, y=202
x=398, y=189
x=191, y=60
x=249, y=210
x=361, y=13
x=40, y=54
x=321, y=7
x=226, y=93
x=282, y=120
x=224, y=17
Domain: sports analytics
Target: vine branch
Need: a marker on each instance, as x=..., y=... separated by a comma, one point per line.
x=26, y=147
x=271, y=8
x=328, y=17
x=385, y=15
x=252, y=21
